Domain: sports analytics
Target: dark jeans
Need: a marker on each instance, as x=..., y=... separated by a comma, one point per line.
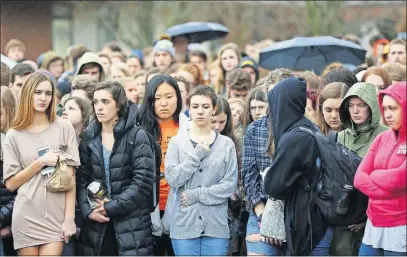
x=6, y=247
x=346, y=242
x=109, y=246
x=324, y=246
x=70, y=247
x=162, y=244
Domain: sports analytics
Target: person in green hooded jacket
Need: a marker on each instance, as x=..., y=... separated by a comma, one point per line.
x=360, y=115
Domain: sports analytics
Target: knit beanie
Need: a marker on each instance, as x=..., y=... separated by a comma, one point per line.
x=164, y=45
x=49, y=57
x=14, y=43
x=250, y=62
x=138, y=53
x=40, y=59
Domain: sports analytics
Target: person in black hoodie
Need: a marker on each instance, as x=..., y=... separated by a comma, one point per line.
x=117, y=153
x=296, y=157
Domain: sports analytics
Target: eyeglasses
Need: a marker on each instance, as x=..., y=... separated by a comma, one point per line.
x=255, y=108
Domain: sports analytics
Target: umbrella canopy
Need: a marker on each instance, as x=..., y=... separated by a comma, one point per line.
x=10, y=63
x=198, y=32
x=311, y=53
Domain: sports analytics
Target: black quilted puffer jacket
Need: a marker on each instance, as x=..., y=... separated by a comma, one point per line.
x=6, y=201
x=131, y=179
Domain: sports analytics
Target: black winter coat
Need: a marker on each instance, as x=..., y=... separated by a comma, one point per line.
x=295, y=158
x=131, y=173
x=6, y=201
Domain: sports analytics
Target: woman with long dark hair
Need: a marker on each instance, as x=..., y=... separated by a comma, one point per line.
x=160, y=116
x=117, y=153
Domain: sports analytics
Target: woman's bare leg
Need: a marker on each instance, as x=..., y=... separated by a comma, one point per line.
x=29, y=251
x=54, y=249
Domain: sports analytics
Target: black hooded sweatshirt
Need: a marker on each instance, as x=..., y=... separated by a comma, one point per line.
x=295, y=157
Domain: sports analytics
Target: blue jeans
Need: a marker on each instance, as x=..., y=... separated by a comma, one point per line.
x=260, y=247
x=201, y=246
x=368, y=250
x=324, y=246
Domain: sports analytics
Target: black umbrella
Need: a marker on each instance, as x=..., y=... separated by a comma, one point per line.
x=198, y=32
x=311, y=53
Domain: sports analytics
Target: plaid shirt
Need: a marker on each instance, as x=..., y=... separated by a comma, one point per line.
x=255, y=160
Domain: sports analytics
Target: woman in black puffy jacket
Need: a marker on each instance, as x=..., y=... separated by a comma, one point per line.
x=7, y=112
x=115, y=152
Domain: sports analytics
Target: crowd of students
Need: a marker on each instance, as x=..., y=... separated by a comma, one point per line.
x=181, y=146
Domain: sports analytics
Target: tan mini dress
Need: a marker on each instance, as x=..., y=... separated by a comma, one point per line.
x=38, y=214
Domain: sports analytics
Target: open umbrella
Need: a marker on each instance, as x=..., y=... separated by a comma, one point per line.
x=198, y=32
x=311, y=53
x=10, y=63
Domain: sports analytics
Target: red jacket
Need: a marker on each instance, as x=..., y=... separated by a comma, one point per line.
x=382, y=174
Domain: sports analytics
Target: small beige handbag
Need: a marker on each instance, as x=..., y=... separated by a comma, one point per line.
x=272, y=225
x=60, y=180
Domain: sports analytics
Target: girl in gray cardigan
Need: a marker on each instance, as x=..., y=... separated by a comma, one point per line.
x=202, y=165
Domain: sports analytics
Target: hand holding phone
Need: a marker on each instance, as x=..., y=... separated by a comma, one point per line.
x=50, y=158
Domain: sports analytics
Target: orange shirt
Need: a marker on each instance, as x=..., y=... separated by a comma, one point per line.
x=168, y=130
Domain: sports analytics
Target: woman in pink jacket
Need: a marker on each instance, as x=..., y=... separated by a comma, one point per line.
x=382, y=177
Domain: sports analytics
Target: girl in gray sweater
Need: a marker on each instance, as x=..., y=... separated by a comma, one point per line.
x=202, y=165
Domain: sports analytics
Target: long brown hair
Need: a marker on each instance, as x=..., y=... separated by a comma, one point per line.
x=220, y=81
x=25, y=110
x=274, y=77
x=222, y=106
x=332, y=90
x=9, y=103
x=86, y=108
x=271, y=144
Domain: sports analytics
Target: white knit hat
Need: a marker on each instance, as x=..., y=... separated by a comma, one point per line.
x=164, y=45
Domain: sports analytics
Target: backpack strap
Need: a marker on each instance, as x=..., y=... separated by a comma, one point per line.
x=307, y=130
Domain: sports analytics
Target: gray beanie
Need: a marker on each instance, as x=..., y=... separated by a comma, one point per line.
x=164, y=45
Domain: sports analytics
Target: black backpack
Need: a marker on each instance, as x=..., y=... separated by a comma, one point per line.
x=335, y=194
x=156, y=149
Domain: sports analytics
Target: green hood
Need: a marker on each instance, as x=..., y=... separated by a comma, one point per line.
x=90, y=57
x=366, y=92
x=360, y=141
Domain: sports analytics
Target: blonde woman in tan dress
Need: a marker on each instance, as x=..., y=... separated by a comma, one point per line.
x=41, y=220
